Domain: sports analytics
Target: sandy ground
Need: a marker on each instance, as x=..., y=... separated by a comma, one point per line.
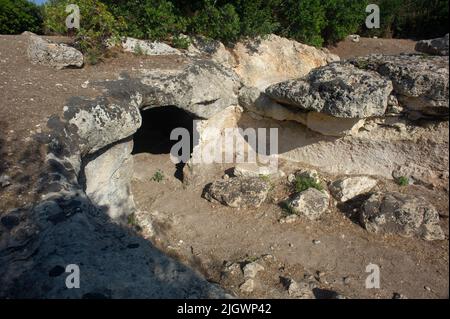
x=205, y=235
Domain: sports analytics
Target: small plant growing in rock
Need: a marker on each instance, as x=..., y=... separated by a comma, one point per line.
x=180, y=42
x=302, y=183
x=138, y=50
x=158, y=176
x=402, y=181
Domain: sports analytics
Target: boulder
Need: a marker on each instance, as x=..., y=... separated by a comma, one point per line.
x=348, y=188
x=310, y=203
x=146, y=47
x=108, y=180
x=340, y=90
x=263, y=61
x=420, y=82
x=203, y=88
x=212, y=48
x=238, y=192
x=257, y=102
x=405, y=215
x=55, y=55
x=438, y=46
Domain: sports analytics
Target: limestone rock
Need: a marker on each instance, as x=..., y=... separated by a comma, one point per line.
x=148, y=47
x=238, y=191
x=339, y=90
x=251, y=269
x=271, y=59
x=310, y=203
x=214, y=49
x=5, y=181
x=354, y=38
x=348, y=188
x=203, y=88
x=438, y=46
x=406, y=215
x=108, y=180
x=255, y=170
x=257, y=102
x=248, y=286
x=300, y=290
x=420, y=82
x=56, y=55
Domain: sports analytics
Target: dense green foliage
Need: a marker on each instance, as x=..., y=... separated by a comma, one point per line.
x=316, y=22
x=97, y=25
x=17, y=16
x=420, y=19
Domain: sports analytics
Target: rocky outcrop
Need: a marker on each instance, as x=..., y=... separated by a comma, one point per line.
x=272, y=59
x=257, y=102
x=348, y=188
x=405, y=215
x=107, y=178
x=68, y=227
x=214, y=49
x=339, y=90
x=203, y=88
x=420, y=82
x=438, y=46
x=55, y=55
x=310, y=203
x=238, y=192
x=148, y=47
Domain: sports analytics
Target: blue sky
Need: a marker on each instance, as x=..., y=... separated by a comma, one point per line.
x=38, y=1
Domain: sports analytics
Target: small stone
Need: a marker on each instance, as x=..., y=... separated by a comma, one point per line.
x=316, y=242
x=248, y=286
x=399, y=296
x=427, y=288
x=251, y=270
x=347, y=280
x=289, y=219
x=5, y=181
x=301, y=291
x=310, y=203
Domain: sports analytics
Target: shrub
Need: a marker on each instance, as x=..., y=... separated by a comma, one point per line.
x=180, y=42
x=302, y=183
x=148, y=19
x=303, y=20
x=97, y=26
x=17, y=16
x=221, y=23
x=158, y=176
x=402, y=181
x=257, y=17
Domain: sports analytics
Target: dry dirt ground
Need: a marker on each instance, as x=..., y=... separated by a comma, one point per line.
x=332, y=252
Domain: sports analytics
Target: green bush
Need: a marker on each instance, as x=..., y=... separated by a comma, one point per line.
x=148, y=19
x=97, y=26
x=257, y=17
x=221, y=23
x=17, y=16
x=302, y=183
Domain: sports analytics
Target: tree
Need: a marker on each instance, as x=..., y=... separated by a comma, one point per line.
x=17, y=16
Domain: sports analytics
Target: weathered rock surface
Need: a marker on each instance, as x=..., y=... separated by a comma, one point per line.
x=59, y=56
x=108, y=180
x=238, y=192
x=348, y=188
x=310, y=203
x=250, y=270
x=339, y=90
x=255, y=170
x=257, y=102
x=406, y=215
x=148, y=47
x=420, y=82
x=300, y=290
x=272, y=59
x=203, y=88
x=67, y=228
x=214, y=49
x=438, y=46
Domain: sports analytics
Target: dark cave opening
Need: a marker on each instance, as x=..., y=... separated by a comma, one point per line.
x=153, y=136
